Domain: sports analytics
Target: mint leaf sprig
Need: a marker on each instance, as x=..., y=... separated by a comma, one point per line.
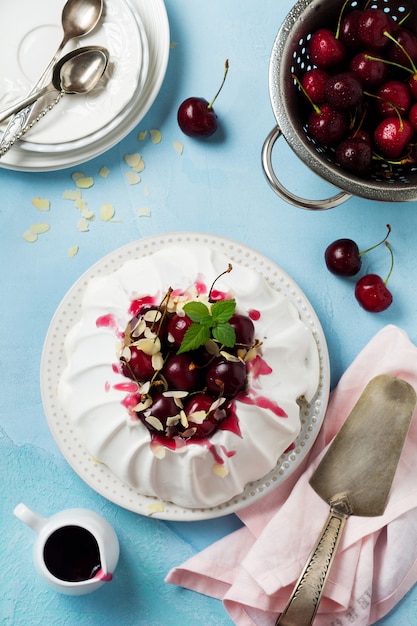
x=208, y=324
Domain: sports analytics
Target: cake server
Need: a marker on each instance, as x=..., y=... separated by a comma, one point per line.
x=79, y=17
x=354, y=478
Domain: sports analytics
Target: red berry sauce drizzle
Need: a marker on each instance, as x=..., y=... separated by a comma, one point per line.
x=183, y=399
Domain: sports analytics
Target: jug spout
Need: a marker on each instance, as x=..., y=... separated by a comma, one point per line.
x=104, y=576
x=29, y=517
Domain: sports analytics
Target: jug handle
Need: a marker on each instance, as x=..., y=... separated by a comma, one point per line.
x=283, y=192
x=29, y=517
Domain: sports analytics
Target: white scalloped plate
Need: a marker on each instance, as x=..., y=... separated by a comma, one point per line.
x=100, y=477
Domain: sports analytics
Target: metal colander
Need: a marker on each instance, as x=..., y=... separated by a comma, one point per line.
x=290, y=56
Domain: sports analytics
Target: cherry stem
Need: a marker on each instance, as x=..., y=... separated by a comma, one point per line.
x=229, y=269
x=392, y=263
x=397, y=43
x=226, y=69
x=384, y=240
x=305, y=94
x=339, y=21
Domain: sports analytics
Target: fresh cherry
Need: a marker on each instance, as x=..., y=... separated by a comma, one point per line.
x=371, y=69
x=226, y=377
x=177, y=327
x=196, y=116
x=244, y=329
x=393, y=98
x=139, y=366
x=162, y=408
x=349, y=30
x=314, y=82
x=373, y=26
x=181, y=372
x=392, y=135
x=372, y=292
x=202, y=403
x=327, y=125
x=403, y=48
x=344, y=91
x=343, y=257
x=354, y=155
x=325, y=49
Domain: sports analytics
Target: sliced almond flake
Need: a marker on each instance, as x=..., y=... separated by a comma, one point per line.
x=183, y=419
x=72, y=194
x=82, y=225
x=173, y=420
x=142, y=406
x=175, y=393
x=152, y=316
x=156, y=135
x=178, y=402
x=155, y=422
x=85, y=182
x=145, y=387
x=157, y=361
x=217, y=403
x=229, y=357
x=107, y=212
x=73, y=251
x=38, y=229
x=104, y=171
x=173, y=44
x=250, y=355
x=189, y=432
x=211, y=347
x=149, y=346
x=77, y=175
x=220, y=470
x=126, y=354
x=87, y=214
x=178, y=147
x=80, y=203
x=42, y=204
x=142, y=135
x=29, y=236
x=144, y=212
x=157, y=507
x=198, y=417
x=157, y=450
x=132, y=159
x=133, y=178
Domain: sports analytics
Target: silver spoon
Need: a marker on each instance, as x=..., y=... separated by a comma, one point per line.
x=77, y=72
x=79, y=17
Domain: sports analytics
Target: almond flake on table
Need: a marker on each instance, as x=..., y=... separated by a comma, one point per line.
x=42, y=204
x=142, y=135
x=107, y=212
x=132, y=160
x=133, y=178
x=178, y=147
x=72, y=194
x=104, y=171
x=85, y=182
x=39, y=229
x=29, y=236
x=73, y=251
x=83, y=225
x=144, y=212
x=156, y=135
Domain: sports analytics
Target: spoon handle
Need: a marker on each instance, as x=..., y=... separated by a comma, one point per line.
x=25, y=127
x=18, y=107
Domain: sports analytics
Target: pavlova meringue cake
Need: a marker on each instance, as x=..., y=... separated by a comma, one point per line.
x=187, y=418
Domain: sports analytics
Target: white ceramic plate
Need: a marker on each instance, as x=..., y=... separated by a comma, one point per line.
x=151, y=16
x=100, y=477
x=34, y=42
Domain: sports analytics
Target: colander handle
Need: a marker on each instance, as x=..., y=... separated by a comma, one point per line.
x=316, y=205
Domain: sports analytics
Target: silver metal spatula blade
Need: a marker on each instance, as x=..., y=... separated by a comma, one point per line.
x=354, y=478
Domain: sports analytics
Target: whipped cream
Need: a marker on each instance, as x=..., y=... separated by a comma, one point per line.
x=95, y=394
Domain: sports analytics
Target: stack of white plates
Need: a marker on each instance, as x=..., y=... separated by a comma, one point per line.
x=80, y=127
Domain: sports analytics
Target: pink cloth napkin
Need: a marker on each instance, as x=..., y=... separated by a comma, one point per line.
x=254, y=569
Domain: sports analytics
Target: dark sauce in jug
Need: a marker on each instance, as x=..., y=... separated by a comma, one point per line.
x=71, y=553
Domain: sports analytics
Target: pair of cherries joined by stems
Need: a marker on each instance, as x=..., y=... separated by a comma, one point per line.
x=343, y=258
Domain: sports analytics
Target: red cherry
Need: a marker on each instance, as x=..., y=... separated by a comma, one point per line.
x=373, y=25
x=354, y=155
x=393, y=98
x=392, y=135
x=412, y=116
x=349, y=30
x=313, y=82
x=325, y=50
x=139, y=366
x=326, y=125
x=344, y=91
x=343, y=258
x=196, y=116
x=372, y=292
x=405, y=48
x=370, y=67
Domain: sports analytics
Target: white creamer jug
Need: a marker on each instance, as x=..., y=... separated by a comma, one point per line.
x=76, y=550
